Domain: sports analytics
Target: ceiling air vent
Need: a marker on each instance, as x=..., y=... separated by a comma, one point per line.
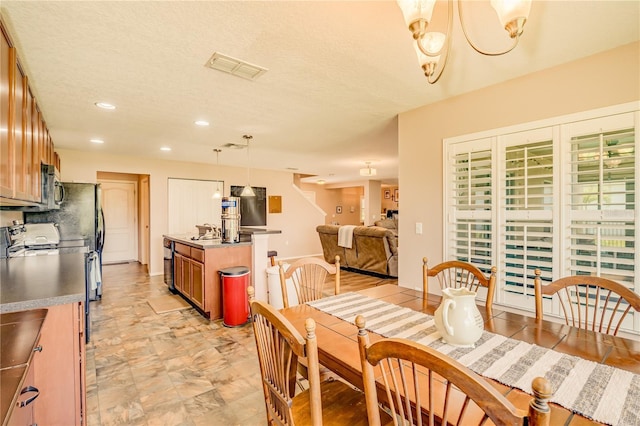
x=232, y=145
x=234, y=66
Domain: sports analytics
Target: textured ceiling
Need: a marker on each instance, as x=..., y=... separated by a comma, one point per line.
x=338, y=74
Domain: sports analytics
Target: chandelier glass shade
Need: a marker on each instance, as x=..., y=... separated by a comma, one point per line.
x=368, y=171
x=248, y=191
x=433, y=47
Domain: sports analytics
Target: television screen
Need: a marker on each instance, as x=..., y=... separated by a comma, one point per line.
x=253, y=210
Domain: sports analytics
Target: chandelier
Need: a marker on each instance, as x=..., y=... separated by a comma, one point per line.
x=430, y=46
x=368, y=171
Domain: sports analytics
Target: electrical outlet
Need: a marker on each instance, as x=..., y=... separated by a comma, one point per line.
x=419, y=228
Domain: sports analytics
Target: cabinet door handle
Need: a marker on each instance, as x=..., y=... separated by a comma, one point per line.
x=38, y=348
x=28, y=400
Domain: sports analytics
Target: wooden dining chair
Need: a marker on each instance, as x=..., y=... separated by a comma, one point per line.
x=308, y=276
x=588, y=302
x=457, y=274
x=408, y=375
x=279, y=347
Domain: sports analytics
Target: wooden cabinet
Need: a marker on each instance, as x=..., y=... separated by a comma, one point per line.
x=20, y=177
x=55, y=368
x=23, y=415
x=178, y=277
x=25, y=141
x=196, y=273
x=197, y=283
x=32, y=126
x=59, y=373
x=7, y=58
x=189, y=273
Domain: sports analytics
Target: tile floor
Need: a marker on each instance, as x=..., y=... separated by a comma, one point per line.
x=176, y=368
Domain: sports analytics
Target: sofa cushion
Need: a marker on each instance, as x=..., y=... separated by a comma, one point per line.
x=329, y=240
x=374, y=249
x=387, y=223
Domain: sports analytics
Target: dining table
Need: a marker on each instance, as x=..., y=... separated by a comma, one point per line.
x=338, y=347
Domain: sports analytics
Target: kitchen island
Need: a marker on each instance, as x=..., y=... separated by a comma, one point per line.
x=196, y=267
x=42, y=302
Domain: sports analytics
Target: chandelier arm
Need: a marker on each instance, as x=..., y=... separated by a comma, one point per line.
x=430, y=79
x=515, y=39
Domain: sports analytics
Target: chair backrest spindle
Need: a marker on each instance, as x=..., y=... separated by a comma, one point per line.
x=308, y=276
x=457, y=274
x=588, y=302
x=421, y=385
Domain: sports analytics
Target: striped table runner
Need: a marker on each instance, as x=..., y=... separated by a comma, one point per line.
x=599, y=392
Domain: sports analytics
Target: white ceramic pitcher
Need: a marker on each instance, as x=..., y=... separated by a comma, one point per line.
x=457, y=318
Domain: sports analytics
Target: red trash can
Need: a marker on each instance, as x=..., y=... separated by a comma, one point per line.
x=235, y=301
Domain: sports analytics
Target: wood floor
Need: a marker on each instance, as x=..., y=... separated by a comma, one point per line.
x=176, y=368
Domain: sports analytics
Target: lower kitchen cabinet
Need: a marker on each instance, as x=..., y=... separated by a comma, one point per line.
x=58, y=369
x=23, y=415
x=197, y=283
x=189, y=271
x=196, y=273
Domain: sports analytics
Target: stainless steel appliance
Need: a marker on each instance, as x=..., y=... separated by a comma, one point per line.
x=52, y=189
x=230, y=219
x=43, y=239
x=34, y=239
x=80, y=223
x=168, y=249
x=5, y=242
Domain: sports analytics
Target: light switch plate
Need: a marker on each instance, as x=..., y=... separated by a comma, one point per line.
x=418, y=228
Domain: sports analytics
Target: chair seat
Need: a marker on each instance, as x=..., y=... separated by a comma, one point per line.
x=325, y=373
x=341, y=405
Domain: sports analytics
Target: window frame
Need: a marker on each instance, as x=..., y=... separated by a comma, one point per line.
x=561, y=129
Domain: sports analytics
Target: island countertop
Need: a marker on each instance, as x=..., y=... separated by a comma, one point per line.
x=203, y=244
x=32, y=282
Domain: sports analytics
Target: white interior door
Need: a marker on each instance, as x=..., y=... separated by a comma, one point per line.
x=121, y=221
x=191, y=203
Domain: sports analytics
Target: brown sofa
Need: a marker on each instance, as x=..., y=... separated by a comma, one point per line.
x=374, y=249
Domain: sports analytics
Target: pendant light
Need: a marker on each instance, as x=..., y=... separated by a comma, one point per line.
x=218, y=193
x=368, y=171
x=248, y=191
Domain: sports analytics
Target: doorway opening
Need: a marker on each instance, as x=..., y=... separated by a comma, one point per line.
x=125, y=202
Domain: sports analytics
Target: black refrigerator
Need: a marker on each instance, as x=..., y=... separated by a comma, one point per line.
x=80, y=222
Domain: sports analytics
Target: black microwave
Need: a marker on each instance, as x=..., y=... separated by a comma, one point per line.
x=52, y=188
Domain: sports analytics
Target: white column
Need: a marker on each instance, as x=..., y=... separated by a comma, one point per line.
x=260, y=265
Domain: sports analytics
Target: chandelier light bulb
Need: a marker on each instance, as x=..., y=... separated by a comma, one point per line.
x=430, y=46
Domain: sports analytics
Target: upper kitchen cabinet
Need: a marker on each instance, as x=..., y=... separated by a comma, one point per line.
x=25, y=142
x=7, y=57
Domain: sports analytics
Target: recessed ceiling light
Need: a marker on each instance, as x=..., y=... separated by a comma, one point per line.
x=165, y=148
x=320, y=182
x=96, y=140
x=105, y=105
x=202, y=123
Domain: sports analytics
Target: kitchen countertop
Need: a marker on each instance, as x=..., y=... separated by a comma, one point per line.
x=19, y=334
x=32, y=282
x=203, y=244
x=250, y=231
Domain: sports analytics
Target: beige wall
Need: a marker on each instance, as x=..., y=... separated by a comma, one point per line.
x=388, y=203
x=605, y=79
x=297, y=220
x=329, y=198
